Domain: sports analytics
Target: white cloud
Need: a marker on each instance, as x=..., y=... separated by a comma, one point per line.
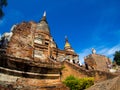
x=109, y=51
x=103, y=50
x=84, y=53
x=0, y=36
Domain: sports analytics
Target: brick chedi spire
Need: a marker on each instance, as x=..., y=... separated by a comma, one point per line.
x=43, y=24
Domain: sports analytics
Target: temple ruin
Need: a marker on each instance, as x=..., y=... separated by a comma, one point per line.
x=31, y=60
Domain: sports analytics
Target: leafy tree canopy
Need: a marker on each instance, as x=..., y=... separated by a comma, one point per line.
x=117, y=57
x=2, y=3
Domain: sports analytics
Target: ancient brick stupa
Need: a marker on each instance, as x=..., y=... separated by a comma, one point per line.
x=30, y=51
x=97, y=62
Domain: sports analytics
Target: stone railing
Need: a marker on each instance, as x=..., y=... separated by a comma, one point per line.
x=77, y=67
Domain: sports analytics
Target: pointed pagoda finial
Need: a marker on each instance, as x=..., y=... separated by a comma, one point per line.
x=44, y=14
x=44, y=17
x=67, y=44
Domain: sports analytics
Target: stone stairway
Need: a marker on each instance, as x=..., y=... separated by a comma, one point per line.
x=111, y=84
x=8, y=82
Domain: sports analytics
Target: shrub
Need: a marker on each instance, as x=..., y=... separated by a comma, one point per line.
x=78, y=84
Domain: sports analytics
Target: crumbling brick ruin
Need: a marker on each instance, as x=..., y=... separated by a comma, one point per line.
x=31, y=60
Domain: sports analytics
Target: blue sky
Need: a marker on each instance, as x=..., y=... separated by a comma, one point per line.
x=87, y=23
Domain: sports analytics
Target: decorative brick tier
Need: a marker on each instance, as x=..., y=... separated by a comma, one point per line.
x=28, y=74
x=27, y=68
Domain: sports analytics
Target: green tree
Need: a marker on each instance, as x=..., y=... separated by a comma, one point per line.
x=2, y=3
x=117, y=57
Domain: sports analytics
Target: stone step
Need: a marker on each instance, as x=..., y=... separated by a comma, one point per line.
x=55, y=87
x=28, y=74
x=8, y=78
x=36, y=82
x=20, y=83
